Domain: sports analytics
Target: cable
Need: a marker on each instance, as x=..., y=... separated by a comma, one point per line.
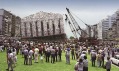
x=80, y=19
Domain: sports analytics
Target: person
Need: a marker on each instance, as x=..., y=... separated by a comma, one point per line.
x=47, y=54
x=67, y=55
x=103, y=56
x=44, y=52
x=40, y=50
x=85, y=64
x=30, y=56
x=93, y=58
x=108, y=64
x=72, y=53
x=1, y=50
x=56, y=53
x=82, y=55
x=59, y=53
x=23, y=48
x=17, y=48
x=33, y=52
x=79, y=65
x=36, y=50
x=10, y=60
x=52, y=55
x=98, y=60
x=25, y=56
x=108, y=51
x=76, y=51
x=14, y=57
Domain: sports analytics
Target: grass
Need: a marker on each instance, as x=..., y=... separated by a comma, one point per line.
x=58, y=66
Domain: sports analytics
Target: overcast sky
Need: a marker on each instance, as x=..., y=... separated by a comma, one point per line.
x=90, y=11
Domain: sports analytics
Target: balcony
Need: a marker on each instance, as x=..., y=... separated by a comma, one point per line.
x=117, y=18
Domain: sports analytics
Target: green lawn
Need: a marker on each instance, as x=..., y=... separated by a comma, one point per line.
x=58, y=66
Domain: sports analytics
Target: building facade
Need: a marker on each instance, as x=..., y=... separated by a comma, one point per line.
x=104, y=26
x=94, y=31
x=117, y=23
x=113, y=32
x=42, y=24
x=99, y=28
x=8, y=23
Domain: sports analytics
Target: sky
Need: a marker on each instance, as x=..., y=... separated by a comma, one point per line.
x=90, y=11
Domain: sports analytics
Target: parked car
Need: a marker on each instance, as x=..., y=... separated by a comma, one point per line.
x=115, y=60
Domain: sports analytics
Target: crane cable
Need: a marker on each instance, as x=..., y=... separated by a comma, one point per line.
x=80, y=19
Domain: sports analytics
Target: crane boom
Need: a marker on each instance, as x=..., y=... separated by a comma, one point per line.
x=71, y=26
x=78, y=28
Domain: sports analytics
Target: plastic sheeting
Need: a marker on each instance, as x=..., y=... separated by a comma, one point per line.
x=46, y=18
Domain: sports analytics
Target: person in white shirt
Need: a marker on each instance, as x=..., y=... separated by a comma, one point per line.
x=14, y=56
x=10, y=60
x=36, y=51
x=82, y=56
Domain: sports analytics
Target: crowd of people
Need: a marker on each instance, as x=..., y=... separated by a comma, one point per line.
x=51, y=52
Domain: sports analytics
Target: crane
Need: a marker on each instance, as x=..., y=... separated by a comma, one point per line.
x=75, y=28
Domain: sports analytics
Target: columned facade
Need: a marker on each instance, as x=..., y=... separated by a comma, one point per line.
x=42, y=24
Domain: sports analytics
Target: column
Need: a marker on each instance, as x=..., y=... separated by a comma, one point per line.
x=28, y=29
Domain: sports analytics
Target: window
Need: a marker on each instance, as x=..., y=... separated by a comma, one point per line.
x=42, y=29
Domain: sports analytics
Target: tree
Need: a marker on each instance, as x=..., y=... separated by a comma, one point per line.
x=71, y=37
